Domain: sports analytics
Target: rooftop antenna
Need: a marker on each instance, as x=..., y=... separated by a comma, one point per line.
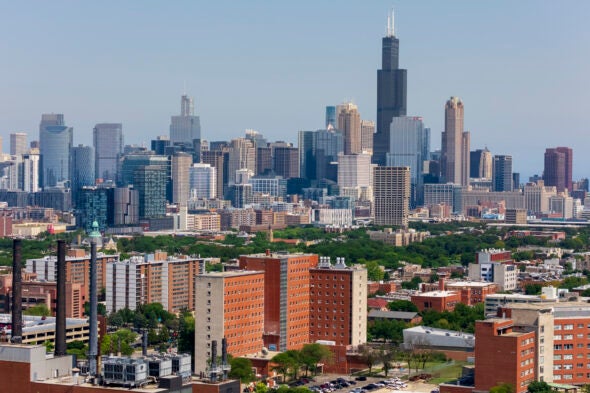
x=391, y=24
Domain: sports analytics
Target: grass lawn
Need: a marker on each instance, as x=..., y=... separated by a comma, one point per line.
x=444, y=372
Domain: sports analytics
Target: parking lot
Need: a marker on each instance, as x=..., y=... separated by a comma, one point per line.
x=360, y=386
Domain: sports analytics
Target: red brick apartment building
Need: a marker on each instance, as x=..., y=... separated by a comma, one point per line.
x=503, y=354
x=231, y=305
x=561, y=346
x=287, y=296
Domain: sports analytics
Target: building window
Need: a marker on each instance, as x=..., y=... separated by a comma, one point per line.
x=568, y=327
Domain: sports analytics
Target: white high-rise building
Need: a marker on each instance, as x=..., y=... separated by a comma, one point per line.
x=355, y=170
x=18, y=143
x=30, y=172
x=186, y=127
x=202, y=181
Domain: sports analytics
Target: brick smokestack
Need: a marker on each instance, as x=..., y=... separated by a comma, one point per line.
x=17, y=301
x=441, y=284
x=60, y=314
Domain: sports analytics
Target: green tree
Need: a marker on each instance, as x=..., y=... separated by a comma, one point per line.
x=539, y=387
x=261, y=387
x=284, y=362
x=48, y=346
x=123, y=338
x=374, y=271
x=533, y=289
x=241, y=368
x=502, y=388
x=386, y=356
x=101, y=308
x=77, y=348
x=368, y=356
x=40, y=310
x=312, y=354
x=402, y=305
x=414, y=283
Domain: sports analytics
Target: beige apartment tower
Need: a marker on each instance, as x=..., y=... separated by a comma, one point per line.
x=455, y=145
x=391, y=188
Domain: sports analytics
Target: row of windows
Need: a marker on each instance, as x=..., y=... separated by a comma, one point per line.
x=569, y=356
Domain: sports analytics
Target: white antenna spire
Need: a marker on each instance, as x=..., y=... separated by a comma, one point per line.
x=388, y=26
x=392, y=23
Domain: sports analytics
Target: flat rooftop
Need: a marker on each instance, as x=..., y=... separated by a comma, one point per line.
x=436, y=293
x=34, y=323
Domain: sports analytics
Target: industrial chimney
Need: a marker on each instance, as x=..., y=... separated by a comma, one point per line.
x=93, y=322
x=60, y=314
x=17, y=302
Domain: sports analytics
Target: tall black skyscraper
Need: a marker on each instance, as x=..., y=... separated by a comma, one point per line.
x=391, y=92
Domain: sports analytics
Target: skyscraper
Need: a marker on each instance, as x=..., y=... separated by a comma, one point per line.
x=391, y=188
x=202, y=181
x=56, y=141
x=216, y=159
x=286, y=162
x=82, y=170
x=181, y=163
x=558, y=168
x=150, y=182
x=367, y=133
x=455, y=145
x=242, y=155
x=349, y=122
x=406, y=148
x=29, y=173
x=391, y=92
x=331, y=116
x=18, y=144
x=480, y=162
x=186, y=127
x=108, y=146
x=502, y=173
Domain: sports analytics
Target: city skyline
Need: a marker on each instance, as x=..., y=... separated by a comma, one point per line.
x=148, y=65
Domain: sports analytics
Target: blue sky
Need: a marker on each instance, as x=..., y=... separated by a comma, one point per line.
x=521, y=67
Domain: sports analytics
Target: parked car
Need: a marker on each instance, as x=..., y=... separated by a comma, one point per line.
x=361, y=378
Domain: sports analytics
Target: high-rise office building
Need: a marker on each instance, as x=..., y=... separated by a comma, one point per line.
x=150, y=182
x=181, y=164
x=108, y=146
x=480, y=162
x=216, y=159
x=391, y=188
x=82, y=170
x=355, y=170
x=286, y=162
x=160, y=144
x=349, y=122
x=455, y=145
x=367, y=133
x=125, y=207
x=331, y=117
x=93, y=204
x=502, y=173
x=558, y=168
x=263, y=160
x=18, y=144
x=391, y=92
x=185, y=128
x=56, y=140
x=242, y=155
x=203, y=181
x=406, y=148
x=29, y=172
x=317, y=150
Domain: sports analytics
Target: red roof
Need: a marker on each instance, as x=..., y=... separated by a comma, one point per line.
x=377, y=303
